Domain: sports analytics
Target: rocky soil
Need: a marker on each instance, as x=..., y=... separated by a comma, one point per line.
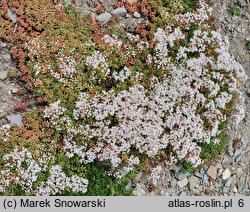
x=230, y=175
x=8, y=88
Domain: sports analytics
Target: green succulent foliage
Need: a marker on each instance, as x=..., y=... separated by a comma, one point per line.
x=100, y=182
x=248, y=45
x=187, y=167
x=214, y=150
x=67, y=3
x=234, y=10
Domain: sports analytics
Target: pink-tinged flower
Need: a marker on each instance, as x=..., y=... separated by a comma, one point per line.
x=39, y=99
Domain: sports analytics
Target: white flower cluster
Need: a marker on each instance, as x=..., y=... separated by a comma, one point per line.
x=163, y=42
x=112, y=40
x=181, y=109
x=66, y=68
x=98, y=61
x=122, y=75
x=141, y=122
x=199, y=16
x=58, y=181
x=53, y=112
x=21, y=168
x=157, y=174
x=36, y=46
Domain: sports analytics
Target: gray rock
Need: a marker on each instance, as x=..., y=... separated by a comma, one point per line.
x=173, y=182
x=205, y=179
x=170, y=192
x=128, y=15
x=226, y=174
x=239, y=172
x=244, y=141
x=3, y=75
x=1, y=113
x=12, y=15
x=234, y=180
x=181, y=176
x=193, y=182
x=15, y=119
x=202, y=171
x=2, y=44
x=14, y=89
x=226, y=190
x=6, y=57
x=212, y=172
x=239, y=158
x=228, y=182
x=121, y=11
x=129, y=185
x=183, y=193
x=137, y=15
x=139, y=191
x=182, y=183
x=242, y=182
x=238, y=153
x=217, y=185
x=226, y=161
x=197, y=174
x=104, y=18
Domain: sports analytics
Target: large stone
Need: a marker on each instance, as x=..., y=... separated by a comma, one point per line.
x=234, y=180
x=139, y=191
x=121, y=11
x=242, y=182
x=3, y=75
x=212, y=172
x=173, y=182
x=104, y=18
x=239, y=172
x=183, y=193
x=12, y=15
x=2, y=44
x=205, y=179
x=181, y=176
x=238, y=153
x=129, y=185
x=6, y=57
x=197, y=174
x=182, y=183
x=15, y=119
x=229, y=182
x=226, y=174
x=226, y=161
x=193, y=182
x=1, y=113
x=226, y=190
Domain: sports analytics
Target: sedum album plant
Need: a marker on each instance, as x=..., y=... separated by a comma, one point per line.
x=160, y=93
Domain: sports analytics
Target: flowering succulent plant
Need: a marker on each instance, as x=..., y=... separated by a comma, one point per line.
x=116, y=99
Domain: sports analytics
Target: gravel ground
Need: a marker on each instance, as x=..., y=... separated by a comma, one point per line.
x=7, y=86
